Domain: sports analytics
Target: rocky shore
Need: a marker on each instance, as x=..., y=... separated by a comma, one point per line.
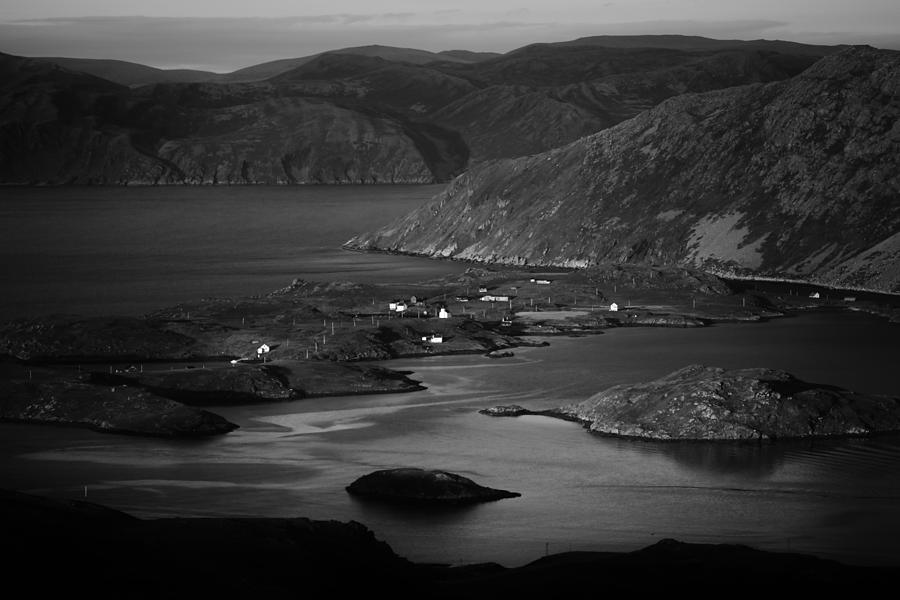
x=708, y=403
x=60, y=543
x=112, y=409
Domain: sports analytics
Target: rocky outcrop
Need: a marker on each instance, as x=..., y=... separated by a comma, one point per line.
x=797, y=178
x=111, y=409
x=706, y=403
x=273, y=381
x=508, y=410
x=420, y=486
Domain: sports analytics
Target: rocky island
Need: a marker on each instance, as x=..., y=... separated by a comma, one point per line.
x=422, y=486
x=708, y=403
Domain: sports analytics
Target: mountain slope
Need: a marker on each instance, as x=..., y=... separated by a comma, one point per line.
x=513, y=118
x=797, y=178
x=412, y=56
x=129, y=73
x=694, y=42
x=348, y=118
x=59, y=126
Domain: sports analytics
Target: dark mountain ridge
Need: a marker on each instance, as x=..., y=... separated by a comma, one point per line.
x=345, y=117
x=797, y=178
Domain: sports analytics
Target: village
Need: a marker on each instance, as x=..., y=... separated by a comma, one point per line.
x=481, y=311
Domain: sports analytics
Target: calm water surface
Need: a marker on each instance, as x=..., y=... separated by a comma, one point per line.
x=131, y=250
x=838, y=499
x=99, y=251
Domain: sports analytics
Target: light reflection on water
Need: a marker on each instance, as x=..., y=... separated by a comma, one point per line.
x=837, y=498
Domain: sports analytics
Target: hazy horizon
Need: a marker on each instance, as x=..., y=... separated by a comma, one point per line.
x=219, y=37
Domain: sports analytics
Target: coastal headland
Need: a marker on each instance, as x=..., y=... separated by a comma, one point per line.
x=314, y=339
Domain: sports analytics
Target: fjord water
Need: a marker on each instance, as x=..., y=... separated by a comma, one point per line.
x=838, y=498
x=129, y=250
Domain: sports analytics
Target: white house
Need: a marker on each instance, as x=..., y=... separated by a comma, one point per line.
x=613, y=307
x=814, y=295
x=392, y=306
x=443, y=314
x=264, y=349
x=401, y=307
x=542, y=281
x=493, y=298
x=433, y=338
x=482, y=290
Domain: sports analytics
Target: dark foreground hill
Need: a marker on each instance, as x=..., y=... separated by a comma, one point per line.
x=62, y=548
x=798, y=178
x=346, y=117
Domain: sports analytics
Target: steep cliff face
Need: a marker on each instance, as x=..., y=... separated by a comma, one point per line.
x=796, y=178
x=343, y=117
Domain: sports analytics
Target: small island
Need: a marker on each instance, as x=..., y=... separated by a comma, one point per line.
x=421, y=486
x=709, y=403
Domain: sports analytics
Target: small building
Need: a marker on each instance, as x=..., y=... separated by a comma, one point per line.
x=443, y=314
x=462, y=298
x=482, y=290
x=264, y=349
x=506, y=321
x=814, y=295
x=849, y=298
x=392, y=305
x=542, y=281
x=493, y=298
x=613, y=307
x=433, y=338
x=401, y=307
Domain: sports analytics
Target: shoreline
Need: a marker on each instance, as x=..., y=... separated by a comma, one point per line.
x=314, y=338
x=724, y=275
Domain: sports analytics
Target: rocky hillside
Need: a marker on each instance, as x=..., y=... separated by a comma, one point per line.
x=708, y=403
x=345, y=117
x=798, y=178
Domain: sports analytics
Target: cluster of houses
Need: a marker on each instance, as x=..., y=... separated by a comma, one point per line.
x=401, y=306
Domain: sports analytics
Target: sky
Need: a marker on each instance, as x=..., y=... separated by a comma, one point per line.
x=222, y=35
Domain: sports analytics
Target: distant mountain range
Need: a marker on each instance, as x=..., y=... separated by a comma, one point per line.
x=374, y=114
x=797, y=178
